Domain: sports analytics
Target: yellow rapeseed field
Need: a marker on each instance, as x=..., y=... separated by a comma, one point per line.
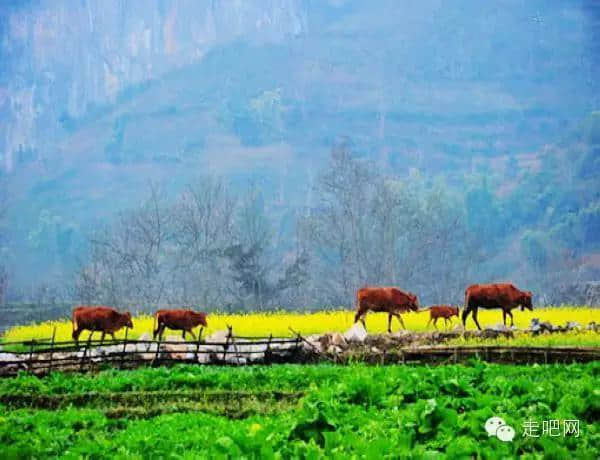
x=278, y=324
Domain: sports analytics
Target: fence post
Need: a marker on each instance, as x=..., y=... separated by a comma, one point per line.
x=226, y=343
x=157, y=349
x=85, y=351
x=30, y=360
x=235, y=348
x=198, y=344
x=124, y=348
x=297, y=347
x=52, y=349
x=268, y=350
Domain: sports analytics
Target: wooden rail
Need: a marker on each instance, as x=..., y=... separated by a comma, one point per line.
x=46, y=355
x=43, y=356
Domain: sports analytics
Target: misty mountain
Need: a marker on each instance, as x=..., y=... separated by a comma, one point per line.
x=97, y=99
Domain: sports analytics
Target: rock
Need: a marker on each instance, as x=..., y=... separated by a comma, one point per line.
x=338, y=340
x=6, y=357
x=235, y=359
x=500, y=327
x=593, y=326
x=356, y=333
x=250, y=349
x=204, y=358
x=489, y=334
x=143, y=347
x=218, y=337
x=458, y=328
x=375, y=350
x=402, y=333
x=334, y=350
x=537, y=326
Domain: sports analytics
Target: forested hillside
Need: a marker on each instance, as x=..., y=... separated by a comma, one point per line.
x=281, y=153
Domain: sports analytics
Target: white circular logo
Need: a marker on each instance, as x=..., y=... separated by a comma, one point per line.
x=492, y=424
x=505, y=433
x=496, y=426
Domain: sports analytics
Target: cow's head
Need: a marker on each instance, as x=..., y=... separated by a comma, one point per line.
x=525, y=301
x=202, y=319
x=127, y=317
x=414, y=302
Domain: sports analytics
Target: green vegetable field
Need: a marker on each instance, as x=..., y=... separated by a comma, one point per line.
x=294, y=411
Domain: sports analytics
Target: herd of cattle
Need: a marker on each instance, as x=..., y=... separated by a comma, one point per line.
x=390, y=300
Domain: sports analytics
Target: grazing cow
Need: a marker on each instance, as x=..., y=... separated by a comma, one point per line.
x=384, y=299
x=489, y=296
x=101, y=319
x=183, y=320
x=441, y=311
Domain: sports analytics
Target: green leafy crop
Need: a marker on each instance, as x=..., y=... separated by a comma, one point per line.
x=293, y=411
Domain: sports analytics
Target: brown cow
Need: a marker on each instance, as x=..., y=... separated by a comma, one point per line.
x=500, y=295
x=441, y=311
x=101, y=319
x=384, y=299
x=183, y=320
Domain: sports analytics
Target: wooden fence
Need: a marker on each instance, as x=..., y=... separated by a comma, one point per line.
x=45, y=355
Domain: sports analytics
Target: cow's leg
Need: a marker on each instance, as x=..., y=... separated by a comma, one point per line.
x=429, y=322
x=183, y=334
x=155, y=332
x=465, y=315
x=504, y=316
x=75, y=335
x=400, y=319
x=389, y=322
x=475, y=318
x=192, y=333
x=102, y=337
x=445, y=323
x=112, y=335
x=512, y=321
x=435, y=322
x=360, y=315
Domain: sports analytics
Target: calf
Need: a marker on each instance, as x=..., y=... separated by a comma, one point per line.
x=441, y=311
x=101, y=319
x=182, y=320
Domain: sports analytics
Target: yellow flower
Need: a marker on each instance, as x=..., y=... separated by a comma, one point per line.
x=280, y=323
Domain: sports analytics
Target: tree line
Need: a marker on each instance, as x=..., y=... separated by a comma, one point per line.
x=211, y=247
x=215, y=247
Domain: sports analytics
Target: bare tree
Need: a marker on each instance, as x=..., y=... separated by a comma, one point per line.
x=129, y=261
x=371, y=229
x=203, y=219
x=261, y=275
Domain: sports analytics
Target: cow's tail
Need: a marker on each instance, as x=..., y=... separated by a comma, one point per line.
x=465, y=312
x=357, y=315
x=74, y=332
